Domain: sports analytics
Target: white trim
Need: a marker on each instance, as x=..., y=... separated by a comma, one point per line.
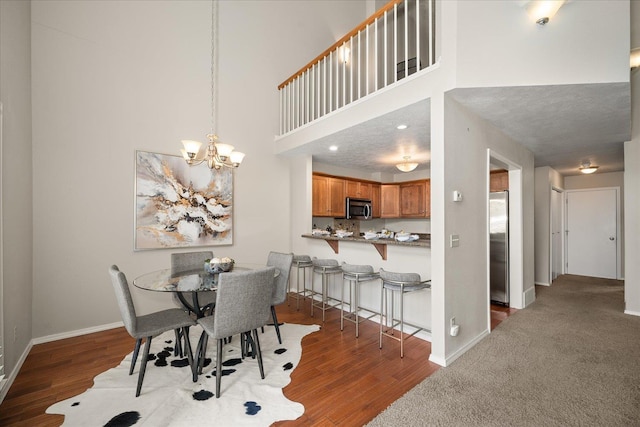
x=542, y=284
x=632, y=313
x=3, y=358
x=14, y=372
x=76, y=333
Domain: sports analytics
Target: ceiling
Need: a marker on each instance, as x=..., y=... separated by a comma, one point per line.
x=562, y=125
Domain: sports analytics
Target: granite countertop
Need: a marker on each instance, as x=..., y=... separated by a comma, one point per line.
x=423, y=242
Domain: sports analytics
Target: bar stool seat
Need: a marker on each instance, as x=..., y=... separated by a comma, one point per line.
x=355, y=275
x=403, y=283
x=300, y=262
x=326, y=268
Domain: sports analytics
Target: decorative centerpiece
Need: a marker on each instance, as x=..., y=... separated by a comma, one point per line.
x=219, y=265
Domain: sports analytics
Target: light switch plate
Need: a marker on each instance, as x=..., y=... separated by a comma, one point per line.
x=457, y=196
x=454, y=240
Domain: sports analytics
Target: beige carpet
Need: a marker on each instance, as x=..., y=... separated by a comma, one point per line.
x=570, y=359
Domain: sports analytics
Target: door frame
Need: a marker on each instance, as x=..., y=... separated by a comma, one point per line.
x=563, y=229
x=618, y=244
x=516, y=231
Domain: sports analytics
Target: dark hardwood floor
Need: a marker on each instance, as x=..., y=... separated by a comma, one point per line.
x=340, y=380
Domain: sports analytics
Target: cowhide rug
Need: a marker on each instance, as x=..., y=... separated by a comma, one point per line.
x=169, y=397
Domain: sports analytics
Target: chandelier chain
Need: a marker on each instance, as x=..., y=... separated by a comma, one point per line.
x=214, y=64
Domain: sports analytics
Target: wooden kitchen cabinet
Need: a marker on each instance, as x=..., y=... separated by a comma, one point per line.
x=415, y=199
x=357, y=189
x=499, y=180
x=375, y=200
x=389, y=201
x=328, y=196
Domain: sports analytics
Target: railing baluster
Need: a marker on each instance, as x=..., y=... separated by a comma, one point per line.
x=375, y=54
x=418, y=68
x=395, y=42
x=366, y=80
x=432, y=58
x=351, y=70
x=406, y=39
x=359, y=66
x=386, y=54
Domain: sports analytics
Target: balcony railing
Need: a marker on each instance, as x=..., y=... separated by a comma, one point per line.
x=396, y=41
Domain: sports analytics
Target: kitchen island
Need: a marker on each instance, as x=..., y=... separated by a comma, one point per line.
x=380, y=244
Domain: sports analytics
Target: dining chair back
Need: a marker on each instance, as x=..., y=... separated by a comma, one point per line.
x=242, y=306
x=184, y=261
x=149, y=325
x=283, y=263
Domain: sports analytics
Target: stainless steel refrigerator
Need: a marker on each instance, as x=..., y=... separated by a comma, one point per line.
x=499, y=247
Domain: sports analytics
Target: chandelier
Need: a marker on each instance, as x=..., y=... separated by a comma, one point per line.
x=217, y=154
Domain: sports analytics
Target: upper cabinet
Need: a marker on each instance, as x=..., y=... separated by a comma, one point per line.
x=375, y=200
x=402, y=200
x=415, y=199
x=390, y=201
x=498, y=180
x=406, y=200
x=358, y=189
x=328, y=196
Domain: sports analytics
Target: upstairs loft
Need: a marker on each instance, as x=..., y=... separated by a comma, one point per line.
x=490, y=57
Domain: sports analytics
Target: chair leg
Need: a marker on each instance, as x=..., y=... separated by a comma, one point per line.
x=143, y=365
x=382, y=313
x=136, y=350
x=275, y=323
x=202, y=351
x=187, y=344
x=256, y=349
x=219, y=367
x=177, y=348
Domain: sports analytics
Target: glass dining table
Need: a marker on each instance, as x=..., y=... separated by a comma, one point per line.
x=187, y=282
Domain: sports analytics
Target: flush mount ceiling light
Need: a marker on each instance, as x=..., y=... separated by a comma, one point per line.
x=217, y=154
x=402, y=127
x=407, y=166
x=333, y=148
x=541, y=11
x=586, y=167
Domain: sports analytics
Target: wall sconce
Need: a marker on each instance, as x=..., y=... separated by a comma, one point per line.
x=541, y=11
x=634, y=58
x=345, y=53
x=586, y=167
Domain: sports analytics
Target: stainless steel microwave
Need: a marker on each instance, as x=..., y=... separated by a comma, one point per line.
x=358, y=208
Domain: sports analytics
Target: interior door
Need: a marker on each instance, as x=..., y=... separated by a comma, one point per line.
x=556, y=234
x=592, y=232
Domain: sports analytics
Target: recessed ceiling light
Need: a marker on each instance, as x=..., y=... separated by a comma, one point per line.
x=333, y=148
x=402, y=127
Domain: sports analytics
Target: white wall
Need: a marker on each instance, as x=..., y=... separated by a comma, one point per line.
x=467, y=139
x=17, y=246
x=514, y=51
x=110, y=78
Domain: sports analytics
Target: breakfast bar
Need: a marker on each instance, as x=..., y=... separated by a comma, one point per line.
x=423, y=241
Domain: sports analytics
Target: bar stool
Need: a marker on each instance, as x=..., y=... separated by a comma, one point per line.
x=403, y=283
x=326, y=268
x=355, y=275
x=300, y=262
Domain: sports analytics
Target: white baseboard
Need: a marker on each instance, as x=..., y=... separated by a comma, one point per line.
x=462, y=350
x=76, y=333
x=14, y=372
x=437, y=360
x=632, y=313
x=542, y=284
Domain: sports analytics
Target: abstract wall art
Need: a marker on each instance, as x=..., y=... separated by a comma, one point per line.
x=178, y=205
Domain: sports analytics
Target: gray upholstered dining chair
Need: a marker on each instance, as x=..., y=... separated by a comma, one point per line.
x=283, y=263
x=184, y=261
x=148, y=325
x=242, y=306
